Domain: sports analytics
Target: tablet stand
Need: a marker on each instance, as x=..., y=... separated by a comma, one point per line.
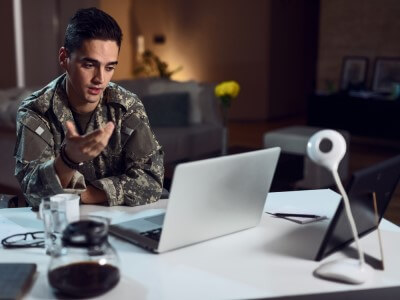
x=327, y=148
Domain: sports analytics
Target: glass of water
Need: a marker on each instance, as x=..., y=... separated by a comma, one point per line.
x=54, y=218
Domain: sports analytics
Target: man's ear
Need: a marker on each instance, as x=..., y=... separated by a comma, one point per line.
x=63, y=58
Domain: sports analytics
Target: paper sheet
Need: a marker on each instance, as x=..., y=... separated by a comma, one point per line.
x=301, y=220
x=8, y=227
x=288, y=209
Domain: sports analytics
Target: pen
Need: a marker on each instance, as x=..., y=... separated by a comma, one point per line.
x=294, y=215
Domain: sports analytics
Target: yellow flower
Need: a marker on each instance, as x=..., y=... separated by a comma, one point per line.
x=227, y=90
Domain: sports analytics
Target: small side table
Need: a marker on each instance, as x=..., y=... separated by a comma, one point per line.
x=293, y=140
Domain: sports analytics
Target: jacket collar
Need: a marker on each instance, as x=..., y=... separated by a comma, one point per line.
x=60, y=103
x=115, y=94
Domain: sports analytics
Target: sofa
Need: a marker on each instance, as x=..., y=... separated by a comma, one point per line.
x=195, y=131
x=184, y=117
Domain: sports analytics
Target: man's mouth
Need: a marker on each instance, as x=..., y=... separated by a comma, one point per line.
x=94, y=90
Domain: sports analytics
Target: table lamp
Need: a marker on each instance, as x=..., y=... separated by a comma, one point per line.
x=327, y=148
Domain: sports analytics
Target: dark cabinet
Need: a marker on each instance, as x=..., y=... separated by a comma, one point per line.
x=371, y=117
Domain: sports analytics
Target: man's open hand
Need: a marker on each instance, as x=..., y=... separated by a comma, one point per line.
x=80, y=148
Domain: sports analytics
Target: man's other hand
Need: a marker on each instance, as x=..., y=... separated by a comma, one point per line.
x=80, y=148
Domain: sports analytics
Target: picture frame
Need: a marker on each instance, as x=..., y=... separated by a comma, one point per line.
x=354, y=73
x=386, y=73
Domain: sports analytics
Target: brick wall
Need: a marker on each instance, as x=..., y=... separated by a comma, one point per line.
x=368, y=28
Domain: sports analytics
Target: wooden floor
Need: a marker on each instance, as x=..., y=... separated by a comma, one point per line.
x=363, y=151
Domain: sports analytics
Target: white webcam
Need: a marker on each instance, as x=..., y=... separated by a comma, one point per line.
x=327, y=148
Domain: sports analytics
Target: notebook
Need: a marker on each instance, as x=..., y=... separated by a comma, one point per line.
x=208, y=199
x=381, y=178
x=15, y=279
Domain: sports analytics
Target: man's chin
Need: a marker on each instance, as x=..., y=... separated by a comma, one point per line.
x=93, y=99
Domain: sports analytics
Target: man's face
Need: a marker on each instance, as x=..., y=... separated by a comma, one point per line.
x=89, y=70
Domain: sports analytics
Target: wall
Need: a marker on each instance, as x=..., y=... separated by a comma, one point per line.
x=212, y=40
x=358, y=28
x=254, y=42
x=122, y=14
x=7, y=56
x=269, y=47
x=293, y=55
x=40, y=41
x=44, y=24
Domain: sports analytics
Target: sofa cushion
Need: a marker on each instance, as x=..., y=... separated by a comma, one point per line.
x=167, y=110
x=190, y=87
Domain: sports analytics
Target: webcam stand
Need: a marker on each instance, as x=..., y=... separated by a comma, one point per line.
x=327, y=148
x=378, y=230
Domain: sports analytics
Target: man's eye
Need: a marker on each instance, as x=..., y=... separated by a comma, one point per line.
x=87, y=65
x=109, y=69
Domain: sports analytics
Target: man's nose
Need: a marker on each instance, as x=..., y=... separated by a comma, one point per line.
x=99, y=76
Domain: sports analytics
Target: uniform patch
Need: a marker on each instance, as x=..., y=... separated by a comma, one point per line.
x=127, y=130
x=39, y=130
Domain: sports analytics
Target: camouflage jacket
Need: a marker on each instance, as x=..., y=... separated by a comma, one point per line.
x=129, y=170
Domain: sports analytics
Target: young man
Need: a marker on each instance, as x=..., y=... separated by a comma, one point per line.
x=84, y=134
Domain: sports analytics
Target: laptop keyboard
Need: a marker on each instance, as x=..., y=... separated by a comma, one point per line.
x=152, y=234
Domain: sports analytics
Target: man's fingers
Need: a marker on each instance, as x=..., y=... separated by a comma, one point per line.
x=95, y=146
x=106, y=130
x=98, y=139
x=95, y=141
x=71, y=130
x=94, y=150
x=109, y=128
x=90, y=137
x=91, y=144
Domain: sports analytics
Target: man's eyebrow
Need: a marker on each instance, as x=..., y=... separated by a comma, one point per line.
x=95, y=61
x=90, y=60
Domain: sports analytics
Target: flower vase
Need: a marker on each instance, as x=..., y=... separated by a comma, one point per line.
x=224, y=148
x=226, y=91
x=225, y=131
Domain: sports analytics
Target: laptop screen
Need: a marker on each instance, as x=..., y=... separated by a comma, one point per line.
x=381, y=178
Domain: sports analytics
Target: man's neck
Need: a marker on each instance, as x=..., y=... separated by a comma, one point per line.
x=77, y=106
x=82, y=109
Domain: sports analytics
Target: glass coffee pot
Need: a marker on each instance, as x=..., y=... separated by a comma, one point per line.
x=87, y=265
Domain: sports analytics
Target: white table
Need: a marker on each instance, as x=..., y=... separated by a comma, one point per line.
x=270, y=260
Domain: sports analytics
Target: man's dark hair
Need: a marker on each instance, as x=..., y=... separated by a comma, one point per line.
x=91, y=23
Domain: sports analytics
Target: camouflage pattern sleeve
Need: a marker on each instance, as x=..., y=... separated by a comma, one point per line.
x=142, y=180
x=35, y=156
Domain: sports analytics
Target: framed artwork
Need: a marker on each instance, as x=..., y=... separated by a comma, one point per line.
x=386, y=74
x=354, y=72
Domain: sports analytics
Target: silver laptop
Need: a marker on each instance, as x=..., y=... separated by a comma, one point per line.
x=208, y=198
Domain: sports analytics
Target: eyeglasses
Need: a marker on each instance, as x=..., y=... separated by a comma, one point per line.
x=24, y=240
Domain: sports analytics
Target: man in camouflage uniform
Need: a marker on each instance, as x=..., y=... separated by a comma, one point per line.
x=84, y=134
